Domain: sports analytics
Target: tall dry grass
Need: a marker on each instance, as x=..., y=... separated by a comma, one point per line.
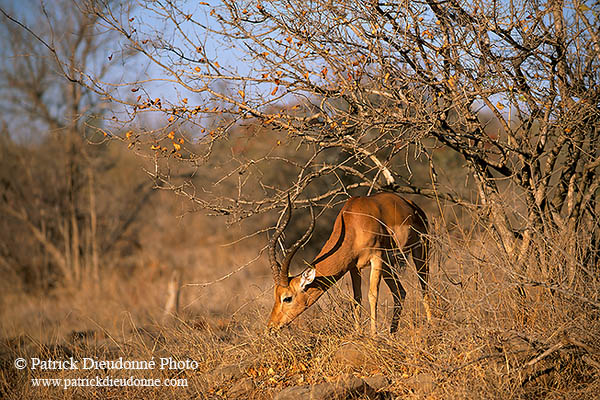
x=503, y=328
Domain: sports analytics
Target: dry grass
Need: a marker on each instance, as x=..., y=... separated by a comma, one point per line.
x=487, y=340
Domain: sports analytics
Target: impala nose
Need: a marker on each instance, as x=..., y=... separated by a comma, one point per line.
x=273, y=327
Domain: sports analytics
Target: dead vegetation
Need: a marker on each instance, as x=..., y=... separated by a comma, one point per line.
x=485, y=115
x=495, y=334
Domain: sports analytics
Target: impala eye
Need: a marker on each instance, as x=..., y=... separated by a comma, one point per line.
x=287, y=299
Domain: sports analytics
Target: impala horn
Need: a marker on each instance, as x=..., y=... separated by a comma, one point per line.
x=275, y=266
x=285, y=266
x=281, y=271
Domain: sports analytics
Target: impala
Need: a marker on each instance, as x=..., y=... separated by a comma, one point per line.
x=364, y=231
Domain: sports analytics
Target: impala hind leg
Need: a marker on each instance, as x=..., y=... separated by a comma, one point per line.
x=374, y=280
x=390, y=277
x=357, y=291
x=419, y=255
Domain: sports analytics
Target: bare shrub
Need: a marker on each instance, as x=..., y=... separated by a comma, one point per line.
x=320, y=104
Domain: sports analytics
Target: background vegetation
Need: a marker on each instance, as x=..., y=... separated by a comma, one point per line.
x=147, y=149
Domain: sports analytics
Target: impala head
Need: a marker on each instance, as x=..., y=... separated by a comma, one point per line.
x=291, y=300
x=291, y=296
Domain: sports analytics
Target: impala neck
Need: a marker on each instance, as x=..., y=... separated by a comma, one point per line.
x=320, y=286
x=325, y=282
x=337, y=255
x=333, y=261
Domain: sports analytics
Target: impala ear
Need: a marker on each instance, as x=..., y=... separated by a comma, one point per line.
x=307, y=277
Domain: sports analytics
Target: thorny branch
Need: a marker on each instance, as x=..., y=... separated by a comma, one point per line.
x=336, y=99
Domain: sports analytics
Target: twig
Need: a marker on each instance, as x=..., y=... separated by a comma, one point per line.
x=545, y=354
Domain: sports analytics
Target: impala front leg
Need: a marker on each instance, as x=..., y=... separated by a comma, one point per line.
x=374, y=280
x=390, y=277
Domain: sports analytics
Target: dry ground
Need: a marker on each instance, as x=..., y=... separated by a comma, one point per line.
x=491, y=337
